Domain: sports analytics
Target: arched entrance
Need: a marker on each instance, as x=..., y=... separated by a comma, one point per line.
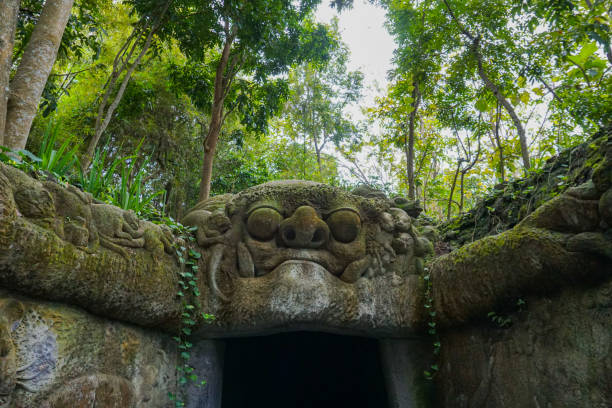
x=303, y=370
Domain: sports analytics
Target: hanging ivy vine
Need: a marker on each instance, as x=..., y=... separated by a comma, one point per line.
x=191, y=310
x=431, y=326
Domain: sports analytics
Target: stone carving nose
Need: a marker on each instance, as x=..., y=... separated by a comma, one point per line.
x=304, y=229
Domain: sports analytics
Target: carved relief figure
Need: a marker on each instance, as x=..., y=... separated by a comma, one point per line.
x=289, y=224
x=84, y=222
x=28, y=351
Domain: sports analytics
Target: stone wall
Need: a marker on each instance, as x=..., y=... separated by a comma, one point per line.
x=56, y=356
x=555, y=352
x=527, y=314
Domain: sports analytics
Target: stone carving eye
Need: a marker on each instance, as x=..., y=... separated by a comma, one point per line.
x=263, y=223
x=344, y=225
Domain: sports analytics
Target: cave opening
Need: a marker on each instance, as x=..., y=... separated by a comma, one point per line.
x=303, y=370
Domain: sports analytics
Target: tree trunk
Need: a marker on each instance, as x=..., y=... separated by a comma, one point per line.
x=475, y=49
x=9, y=10
x=502, y=172
x=503, y=102
x=119, y=65
x=103, y=119
x=216, y=119
x=450, y=196
x=36, y=64
x=409, y=148
x=461, y=192
x=318, y=153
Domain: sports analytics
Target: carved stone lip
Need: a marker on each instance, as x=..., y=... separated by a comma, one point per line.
x=304, y=263
x=305, y=258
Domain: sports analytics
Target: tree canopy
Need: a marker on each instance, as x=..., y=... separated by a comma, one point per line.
x=208, y=97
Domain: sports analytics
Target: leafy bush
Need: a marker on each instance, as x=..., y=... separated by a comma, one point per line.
x=99, y=180
x=22, y=159
x=131, y=193
x=58, y=162
x=126, y=188
x=50, y=161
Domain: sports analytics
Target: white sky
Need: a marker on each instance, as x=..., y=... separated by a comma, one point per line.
x=371, y=46
x=371, y=49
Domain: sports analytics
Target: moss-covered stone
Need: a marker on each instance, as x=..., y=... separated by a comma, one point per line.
x=512, y=201
x=36, y=260
x=472, y=280
x=556, y=352
x=65, y=357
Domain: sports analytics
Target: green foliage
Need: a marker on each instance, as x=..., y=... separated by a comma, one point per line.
x=57, y=161
x=550, y=60
x=131, y=193
x=315, y=113
x=285, y=110
x=431, y=326
x=99, y=180
x=121, y=183
x=500, y=321
x=21, y=159
x=503, y=320
x=579, y=35
x=189, y=293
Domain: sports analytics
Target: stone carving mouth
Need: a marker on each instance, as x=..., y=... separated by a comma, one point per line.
x=268, y=262
x=312, y=260
x=304, y=264
x=348, y=273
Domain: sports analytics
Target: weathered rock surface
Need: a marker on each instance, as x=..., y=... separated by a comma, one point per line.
x=565, y=241
x=512, y=201
x=527, y=314
x=300, y=256
x=61, y=356
x=95, y=271
x=556, y=353
x=562, y=243
x=296, y=255
x=280, y=256
x=470, y=282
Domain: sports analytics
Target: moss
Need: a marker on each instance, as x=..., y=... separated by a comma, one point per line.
x=515, y=200
x=139, y=290
x=294, y=193
x=484, y=247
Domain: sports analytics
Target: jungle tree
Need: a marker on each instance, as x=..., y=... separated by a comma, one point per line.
x=19, y=105
x=320, y=92
x=253, y=41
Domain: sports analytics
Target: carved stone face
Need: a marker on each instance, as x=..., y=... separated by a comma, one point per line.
x=275, y=233
x=301, y=253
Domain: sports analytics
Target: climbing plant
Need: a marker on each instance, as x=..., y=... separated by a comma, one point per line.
x=191, y=310
x=432, y=326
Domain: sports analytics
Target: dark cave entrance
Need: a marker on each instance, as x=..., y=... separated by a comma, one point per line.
x=303, y=370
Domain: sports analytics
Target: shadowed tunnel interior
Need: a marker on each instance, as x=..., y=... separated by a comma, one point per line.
x=303, y=369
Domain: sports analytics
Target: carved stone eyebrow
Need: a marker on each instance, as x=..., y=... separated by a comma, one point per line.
x=265, y=204
x=336, y=209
